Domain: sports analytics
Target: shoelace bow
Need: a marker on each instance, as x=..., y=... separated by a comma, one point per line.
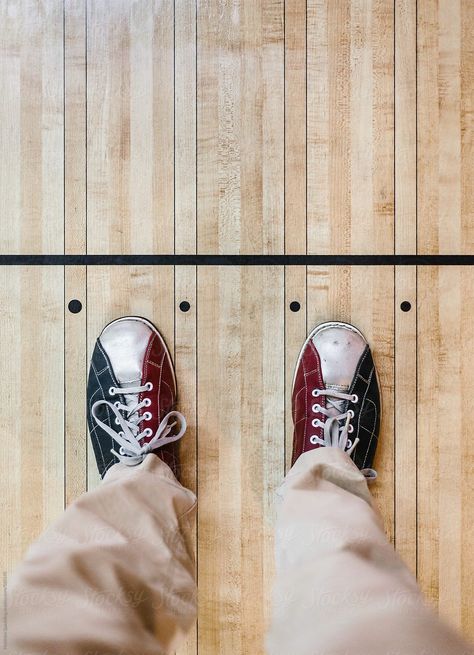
x=337, y=427
x=131, y=451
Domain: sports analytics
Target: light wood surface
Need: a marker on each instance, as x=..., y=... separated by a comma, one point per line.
x=445, y=459
x=32, y=368
x=233, y=126
x=445, y=141
x=32, y=127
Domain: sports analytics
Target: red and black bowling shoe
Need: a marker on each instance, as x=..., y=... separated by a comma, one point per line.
x=335, y=396
x=131, y=394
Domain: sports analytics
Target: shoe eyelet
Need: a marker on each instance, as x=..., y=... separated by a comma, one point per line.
x=147, y=416
x=313, y=439
x=117, y=422
x=148, y=432
x=316, y=408
x=351, y=413
x=316, y=423
x=315, y=393
x=355, y=398
x=149, y=386
x=348, y=444
x=121, y=434
x=116, y=403
x=112, y=391
x=121, y=450
x=350, y=429
x=147, y=402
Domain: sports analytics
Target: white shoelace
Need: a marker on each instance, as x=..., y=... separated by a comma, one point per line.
x=337, y=426
x=131, y=451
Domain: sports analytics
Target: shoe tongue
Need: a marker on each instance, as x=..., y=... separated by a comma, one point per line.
x=335, y=411
x=131, y=399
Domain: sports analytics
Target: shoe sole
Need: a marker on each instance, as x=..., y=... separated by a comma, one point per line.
x=325, y=326
x=158, y=334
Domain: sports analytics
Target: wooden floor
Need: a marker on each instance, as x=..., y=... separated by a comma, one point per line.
x=242, y=127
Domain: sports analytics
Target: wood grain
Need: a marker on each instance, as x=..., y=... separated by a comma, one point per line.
x=185, y=236
x=240, y=63
x=130, y=126
x=405, y=398
x=295, y=196
x=445, y=126
x=75, y=242
x=31, y=365
x=350, y=102
x=445, y=459
x=240, y=455
x=405, y=242
x=230, y=126
x=31, y=127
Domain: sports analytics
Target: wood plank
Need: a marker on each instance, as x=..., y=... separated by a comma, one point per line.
x=405, y=398
x=240, y=457
x=75, y=234
x=76, y=370
x=350, y=126
x=445, y=459
x=445, y=131
x=405, y=236
x=295, y=196
x=185, y=128
x=364, y=297
x=130, y=127
x=185, y=360
x=295, y=127
x=295, y=335
x=185, y=242
x=31, y=127
x=405, y=133
x=128, y=291
x=240, y=60
x=31, y=363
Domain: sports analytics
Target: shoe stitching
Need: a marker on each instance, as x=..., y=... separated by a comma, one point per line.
x=298, y=393
x=111, y=463
x=361, y=407
x=160, y=377
x=373, y=431
x=107, y=367
x=305, y=406
x=154, y=364
x=314, y=370
x=93, y=432
x=99, y=345
x=359, y=366
x=360, y=412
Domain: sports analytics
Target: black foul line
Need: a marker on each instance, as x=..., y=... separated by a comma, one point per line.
x=237, y=260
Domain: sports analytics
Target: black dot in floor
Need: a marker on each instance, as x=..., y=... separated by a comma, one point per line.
x=184, y=306
x=295, y=306
x=405, y=306
x=74, y=306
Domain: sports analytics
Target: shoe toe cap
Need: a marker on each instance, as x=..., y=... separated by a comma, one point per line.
x=340, y=348
x=125, y=342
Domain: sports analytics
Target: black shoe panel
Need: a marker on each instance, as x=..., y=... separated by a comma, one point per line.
x=101, y=378
x=367, y=410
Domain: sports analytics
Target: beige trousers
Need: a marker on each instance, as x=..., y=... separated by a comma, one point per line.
x=115, y=575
